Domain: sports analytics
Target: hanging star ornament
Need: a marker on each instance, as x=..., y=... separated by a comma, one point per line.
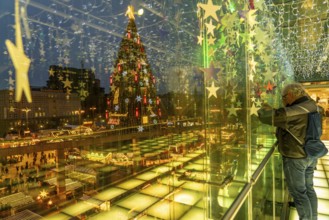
x=211, y=72
x=20, y=60
x=231, y=111
x=253, y=110
x=200, y=39
x=212, y=90
x=252, y=64
x=210, y=28
x=210, y=10
x=67, y=83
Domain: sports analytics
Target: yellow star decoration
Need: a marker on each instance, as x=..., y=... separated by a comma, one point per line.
x=210, y=28
x=210, y=10
x=212, y=90
x=253, y=110
x=251, y=77
x=211, y=52
x=51, y=72
x=20, y=60
x=83, y=93
x=43, y=194
x=231, y=111
x=211, y=40
x=82, y=84
x=251, y=17
x=200, y=39
x=11, y=81
x=252, y=64
x=149, y=108
x=67, y=83
x=130, y=12
x=11, y=109
x=68, y=91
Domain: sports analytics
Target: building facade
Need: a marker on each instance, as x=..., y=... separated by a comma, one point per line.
x=50, y=109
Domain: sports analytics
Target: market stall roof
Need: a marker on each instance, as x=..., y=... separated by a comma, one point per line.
x=25, y=215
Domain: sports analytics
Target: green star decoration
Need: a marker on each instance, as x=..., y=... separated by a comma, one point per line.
x=231, y=111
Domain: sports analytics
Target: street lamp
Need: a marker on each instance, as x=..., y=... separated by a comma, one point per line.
x=80, y=112
x=26, y=110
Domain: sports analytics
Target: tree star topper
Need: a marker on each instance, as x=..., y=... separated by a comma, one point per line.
x=130, y=12
x=20, y=60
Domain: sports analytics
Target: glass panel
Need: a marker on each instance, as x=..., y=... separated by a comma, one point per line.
x=140, y=109
x=102, y=110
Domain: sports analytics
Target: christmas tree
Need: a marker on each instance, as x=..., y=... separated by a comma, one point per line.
x=132, y=100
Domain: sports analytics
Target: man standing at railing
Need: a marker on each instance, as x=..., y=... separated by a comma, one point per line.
x=291, y=122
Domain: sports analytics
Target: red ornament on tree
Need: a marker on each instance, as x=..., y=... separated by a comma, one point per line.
x=136, y=77
x=111, y=80
x=128, y=34
x=144, y=99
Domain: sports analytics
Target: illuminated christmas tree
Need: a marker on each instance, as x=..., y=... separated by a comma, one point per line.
x=132, y=99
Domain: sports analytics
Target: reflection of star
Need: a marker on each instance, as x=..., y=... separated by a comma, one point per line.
x=51, y=72
x=258, y=102
x=251, y=77
x=83, y=93
x=43, y=194
x=20, y=60
x=269, y=86
x=222, y=40
x=66, y=60
x=67, y=83
x=211, y=72
x=211, y=40
x=68, y=91
x=231, y=111
x=11, y=109
x=212, y=90
x=117, y=77
x=210, y=28
x=269, y=75
x=140, y=128
x=251, y=16
x=11, y=81
x=252, y=64
x=200, y=39
x=138, y=98
x=253, y=110
x=210, y=9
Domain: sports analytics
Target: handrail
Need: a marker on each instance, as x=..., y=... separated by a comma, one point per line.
x=235, y=207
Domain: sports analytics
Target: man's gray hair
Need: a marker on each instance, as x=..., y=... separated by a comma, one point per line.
x=296, y=89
